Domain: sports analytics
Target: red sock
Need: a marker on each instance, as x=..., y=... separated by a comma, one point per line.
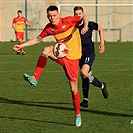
x=21, y=49
x=40, y=66
x=76, y=102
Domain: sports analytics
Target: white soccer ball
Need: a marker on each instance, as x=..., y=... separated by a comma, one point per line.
x=60, y=50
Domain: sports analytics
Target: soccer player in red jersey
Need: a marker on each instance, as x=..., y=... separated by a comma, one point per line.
x=18, y=26
x=65, y=30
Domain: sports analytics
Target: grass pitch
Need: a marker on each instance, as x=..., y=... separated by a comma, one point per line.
x=48, y=108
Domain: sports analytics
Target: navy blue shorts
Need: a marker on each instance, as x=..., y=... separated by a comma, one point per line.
x=89, y=59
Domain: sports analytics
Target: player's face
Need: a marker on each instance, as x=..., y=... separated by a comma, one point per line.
x=53, y=17
x=79, y=13
x=19, y=14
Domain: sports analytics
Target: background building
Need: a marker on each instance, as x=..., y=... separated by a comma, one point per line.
x=116, y=16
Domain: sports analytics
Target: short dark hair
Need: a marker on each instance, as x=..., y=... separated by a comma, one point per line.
x=78, y=8
x=19, y=11
x=52, y=8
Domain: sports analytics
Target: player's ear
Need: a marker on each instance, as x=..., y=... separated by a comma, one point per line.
x=48, y=17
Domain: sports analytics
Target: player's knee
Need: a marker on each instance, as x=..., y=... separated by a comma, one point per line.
x=84, y=74
x=47, y=50
x=20, y=41
x=90, y=77
x=73, y=87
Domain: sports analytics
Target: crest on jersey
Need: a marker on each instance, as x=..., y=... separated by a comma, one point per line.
x=63, y=26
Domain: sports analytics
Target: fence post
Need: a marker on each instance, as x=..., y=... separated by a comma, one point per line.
x=26, y=38
x=96, y=16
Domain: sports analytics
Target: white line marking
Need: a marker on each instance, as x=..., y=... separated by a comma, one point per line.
x=63, y=71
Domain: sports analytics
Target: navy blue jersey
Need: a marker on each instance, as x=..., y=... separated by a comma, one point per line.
x=86, y=39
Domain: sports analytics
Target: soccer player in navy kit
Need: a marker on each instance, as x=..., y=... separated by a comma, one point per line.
x=88, y=57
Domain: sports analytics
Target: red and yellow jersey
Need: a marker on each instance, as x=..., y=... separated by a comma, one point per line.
x=19, y=23
x=66, y=31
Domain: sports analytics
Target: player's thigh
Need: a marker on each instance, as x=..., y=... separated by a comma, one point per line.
x=48, y=52
x=70, y=67
x=19, y=36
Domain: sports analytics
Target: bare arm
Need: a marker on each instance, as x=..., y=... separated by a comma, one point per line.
x=31, y=42
x=26, y=44
x=85, y=21
x=101, y=35
x=14, y=27
x=28, y=24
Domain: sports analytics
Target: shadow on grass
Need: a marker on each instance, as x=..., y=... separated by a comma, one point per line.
x=52, y=105
x=34, y=120
x=37, y=104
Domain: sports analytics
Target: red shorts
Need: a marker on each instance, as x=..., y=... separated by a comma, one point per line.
x=19, y=35
x=70, y=67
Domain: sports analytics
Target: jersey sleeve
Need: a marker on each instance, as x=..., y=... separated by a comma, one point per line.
x=44, y=32
x=25, y=20
x=74, y=20
x=14, y=21
x=93, y=25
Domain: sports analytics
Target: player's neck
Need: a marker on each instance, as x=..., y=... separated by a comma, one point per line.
x=56, y=23
x=19, y=16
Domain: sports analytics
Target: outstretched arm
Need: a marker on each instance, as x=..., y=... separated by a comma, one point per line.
x=26, y=44
x=101, y=35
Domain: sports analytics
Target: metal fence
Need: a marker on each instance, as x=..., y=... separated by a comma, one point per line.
x=116, y=19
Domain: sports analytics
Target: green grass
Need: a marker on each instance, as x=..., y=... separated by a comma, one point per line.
x=48, y=108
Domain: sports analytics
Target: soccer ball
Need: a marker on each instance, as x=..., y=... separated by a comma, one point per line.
x=60, y=50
